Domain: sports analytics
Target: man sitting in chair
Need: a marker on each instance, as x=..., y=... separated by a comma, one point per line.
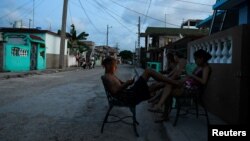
x=140, y=89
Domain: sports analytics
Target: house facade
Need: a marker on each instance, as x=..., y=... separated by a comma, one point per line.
x=157, y=39
x=52, y=43
x=227, y=91
x=29, y=49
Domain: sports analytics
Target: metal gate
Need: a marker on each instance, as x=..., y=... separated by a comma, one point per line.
x=33, y=56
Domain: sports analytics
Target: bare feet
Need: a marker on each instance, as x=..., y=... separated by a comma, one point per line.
x=162, y=119
x=156, y=109
x=154, y=98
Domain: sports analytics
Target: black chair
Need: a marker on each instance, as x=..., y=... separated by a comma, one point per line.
x=190, y=96
x=114, y=102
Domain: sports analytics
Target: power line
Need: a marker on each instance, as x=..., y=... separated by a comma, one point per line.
x=190, y=9
x=30, y=11
x=18, y=8
x=195, y=3
x=52, y=11
x=144, y=14
x=147, y=12
x=88, y=17
x=115, y=13
x=105, y=9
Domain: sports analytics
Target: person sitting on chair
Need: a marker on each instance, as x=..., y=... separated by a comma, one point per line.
x=141, y=90
x=175, y=67
x=197, y=80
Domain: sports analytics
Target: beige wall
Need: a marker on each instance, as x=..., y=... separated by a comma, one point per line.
x=1, y=57
x=52, y=61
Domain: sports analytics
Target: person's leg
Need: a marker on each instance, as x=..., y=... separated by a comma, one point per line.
x=166, y=93
x=153, y=89
x=157, y=76
x=156, y=86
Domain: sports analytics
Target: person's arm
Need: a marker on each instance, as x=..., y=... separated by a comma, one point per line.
x=116, y=86
x=171, y=74
x=126, y=84
x=178, y=71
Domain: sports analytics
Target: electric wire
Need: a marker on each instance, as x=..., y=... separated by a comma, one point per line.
x=16, y=9
x=145, y=18
x=190, y=9
x=88, y=17
x=107, y=11
x=92, y=28
x=144, y=14
x=30, y=11
x=194, y=2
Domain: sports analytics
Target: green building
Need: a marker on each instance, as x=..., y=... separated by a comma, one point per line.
x=22, y=52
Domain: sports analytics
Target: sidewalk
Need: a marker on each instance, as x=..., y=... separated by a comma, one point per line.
x=7, y=75
x=188, y=128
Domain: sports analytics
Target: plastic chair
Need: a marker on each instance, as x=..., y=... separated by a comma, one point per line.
x=114, y=102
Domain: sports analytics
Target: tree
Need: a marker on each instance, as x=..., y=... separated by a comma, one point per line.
x=75, y=42
x=126, y=55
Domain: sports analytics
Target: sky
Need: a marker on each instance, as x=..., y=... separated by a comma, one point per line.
x=94, y=16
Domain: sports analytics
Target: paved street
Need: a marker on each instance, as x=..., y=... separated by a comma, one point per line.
x=67, y=106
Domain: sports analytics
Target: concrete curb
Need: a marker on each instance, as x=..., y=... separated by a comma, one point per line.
x=8, y=75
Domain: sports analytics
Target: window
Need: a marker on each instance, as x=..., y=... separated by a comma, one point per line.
x=16, y=51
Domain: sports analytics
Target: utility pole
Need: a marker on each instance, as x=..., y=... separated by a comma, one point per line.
x=107, y=42
x=33, y=13
x=165, y=20
x=134, y=54
x=63, y=30
x=29, y=22
x=138, y=46
x=139, y=31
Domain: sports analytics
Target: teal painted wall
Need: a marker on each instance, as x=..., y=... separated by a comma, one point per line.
x=17, y=58
x=41, y=58
x=17, y=54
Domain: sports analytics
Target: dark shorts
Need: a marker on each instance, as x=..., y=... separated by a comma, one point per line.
x=137, y=93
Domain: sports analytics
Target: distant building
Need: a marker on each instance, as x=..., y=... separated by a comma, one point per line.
x=227, y=13
x=157, y=39
x=191, y=23
x=101, y=52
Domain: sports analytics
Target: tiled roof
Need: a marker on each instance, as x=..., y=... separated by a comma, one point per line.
x=34, y=37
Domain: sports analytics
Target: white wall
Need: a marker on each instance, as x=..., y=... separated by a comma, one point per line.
x=52, y=43
x=72, y=60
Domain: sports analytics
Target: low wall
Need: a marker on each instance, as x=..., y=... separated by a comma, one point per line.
x=228, y=88
x=52, y=61
x=1, y=56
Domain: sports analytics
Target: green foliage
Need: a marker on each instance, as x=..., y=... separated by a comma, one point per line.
x=75, y=41
x=83, y=48
x=126, y=55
